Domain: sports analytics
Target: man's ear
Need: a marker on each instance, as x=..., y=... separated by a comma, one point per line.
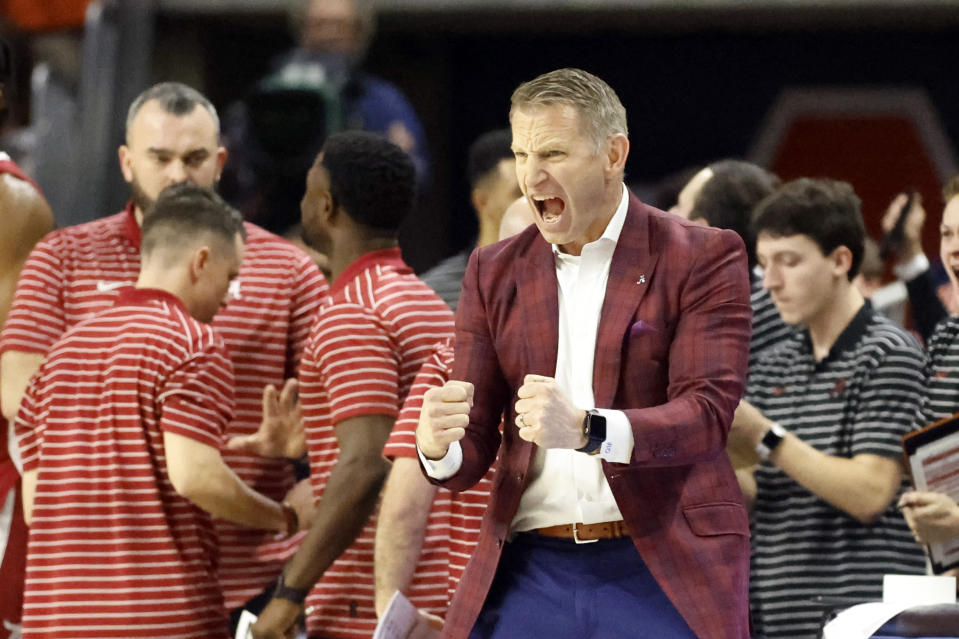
x=221, y=155
x=199, y=262
x=842, y=260
x=479, y=197
x=617, y=149
x=126, y=162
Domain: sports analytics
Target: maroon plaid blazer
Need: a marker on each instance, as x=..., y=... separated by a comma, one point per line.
x=671, y=352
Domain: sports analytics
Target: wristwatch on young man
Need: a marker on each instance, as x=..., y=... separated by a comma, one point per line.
x=773, y=438
x=594, y=427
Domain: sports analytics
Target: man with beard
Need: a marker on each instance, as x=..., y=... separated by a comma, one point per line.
x=365, y=349
x=172, y=136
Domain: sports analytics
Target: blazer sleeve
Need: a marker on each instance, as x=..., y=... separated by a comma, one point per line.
x=708, y=356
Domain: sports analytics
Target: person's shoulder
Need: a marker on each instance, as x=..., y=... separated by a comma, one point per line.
x=669, y=227
x=85, y=236
x=258, y=240
x=511, y=248
x=885, y=333
x=269, y=250
x=885, y=344
x=779, y=356
x=945, y=333
x=379, y=87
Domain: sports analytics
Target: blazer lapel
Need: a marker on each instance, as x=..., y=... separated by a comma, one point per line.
x=539, y=300
x=630, y=274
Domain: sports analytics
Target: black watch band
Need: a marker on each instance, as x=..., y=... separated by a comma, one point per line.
x=295, y=595
x=594, y=427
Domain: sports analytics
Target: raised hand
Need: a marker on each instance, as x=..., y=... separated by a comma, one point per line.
x=281, y=430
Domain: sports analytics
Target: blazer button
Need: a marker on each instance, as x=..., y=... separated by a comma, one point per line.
x=519, y=478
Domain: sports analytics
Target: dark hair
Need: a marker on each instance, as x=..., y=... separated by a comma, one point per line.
x=727, y=199
x=371, y=178
x=825, y=211
x=485, y=154
x=185, y=211
x=175, y=98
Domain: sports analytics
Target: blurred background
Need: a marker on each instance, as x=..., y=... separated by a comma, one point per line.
x=860, y=90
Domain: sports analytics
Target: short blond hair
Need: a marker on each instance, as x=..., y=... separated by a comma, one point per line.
x=601, y=113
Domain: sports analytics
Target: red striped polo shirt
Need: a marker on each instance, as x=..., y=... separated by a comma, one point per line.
x=452, y=529
x=75, y=272
x=113, y=550
x=364, y=351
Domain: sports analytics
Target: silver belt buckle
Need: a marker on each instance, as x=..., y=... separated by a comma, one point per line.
x=581, y=541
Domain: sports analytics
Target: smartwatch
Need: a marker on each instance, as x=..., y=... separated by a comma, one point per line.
x=594, y=427
x=769, y=442
x=294, y=595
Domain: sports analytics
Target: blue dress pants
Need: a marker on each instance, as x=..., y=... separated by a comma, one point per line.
x=556, y=589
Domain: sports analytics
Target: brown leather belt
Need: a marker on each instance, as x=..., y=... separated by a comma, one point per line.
x=586, y=533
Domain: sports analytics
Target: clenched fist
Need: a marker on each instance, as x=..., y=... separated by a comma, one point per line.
x=443, y=418
x=546, y=417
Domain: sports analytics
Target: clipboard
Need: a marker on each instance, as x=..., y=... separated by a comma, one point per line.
x=932, y=458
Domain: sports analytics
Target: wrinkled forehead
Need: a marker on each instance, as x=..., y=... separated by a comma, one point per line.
x=153, y=124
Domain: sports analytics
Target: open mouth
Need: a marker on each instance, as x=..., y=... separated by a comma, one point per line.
x=549, y=208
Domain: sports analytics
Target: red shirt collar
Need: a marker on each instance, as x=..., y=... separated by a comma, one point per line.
x=384, y=257
x=130, y=296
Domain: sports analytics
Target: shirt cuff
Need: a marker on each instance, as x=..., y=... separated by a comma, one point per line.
x=446, y=467
x=618, y=446
x=912, y=269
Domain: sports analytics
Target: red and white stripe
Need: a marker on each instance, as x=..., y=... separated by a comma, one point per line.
x=364, y=352
x=113, y=550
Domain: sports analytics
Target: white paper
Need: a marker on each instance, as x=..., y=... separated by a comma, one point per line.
x=918, y=590
x=935, y=467
x=398, y=620
x=860, y=622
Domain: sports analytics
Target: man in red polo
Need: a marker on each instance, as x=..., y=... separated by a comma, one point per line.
x=120, y=433
x=364, y=351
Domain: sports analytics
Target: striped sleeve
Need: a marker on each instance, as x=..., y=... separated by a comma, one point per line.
x=890, y=396
x=434, y=372
x=27, y=428
x=357, y=362
x=197, y=399
x=37, y=317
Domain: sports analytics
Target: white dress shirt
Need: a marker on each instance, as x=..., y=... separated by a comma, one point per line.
x=567, y=486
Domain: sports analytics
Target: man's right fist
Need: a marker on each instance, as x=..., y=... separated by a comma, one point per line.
x=443, y=418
